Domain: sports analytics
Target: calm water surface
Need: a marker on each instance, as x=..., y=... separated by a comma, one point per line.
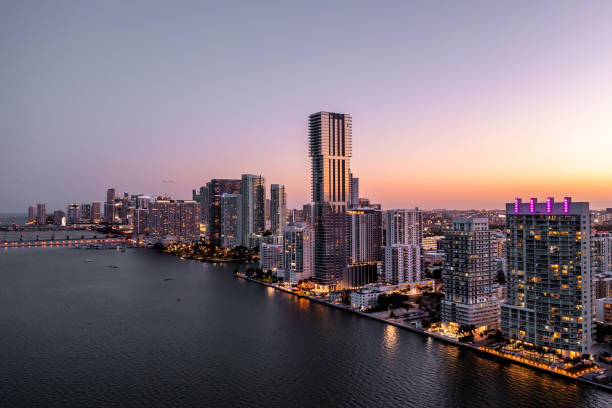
x=83, y=334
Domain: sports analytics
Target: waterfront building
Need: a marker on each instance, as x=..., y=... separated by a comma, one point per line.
x=278, y=208
x=252, y=219
x=365, y=297
x=41, y=214
x=468, y=275
x=601, y=253
x=354, y=189
x=85, y=213
x=31, y=213
x=402, y=264
x=216, y=188
x=270, y=256
x=174, y=219
x=603, y=310
x=297, y=253
x=404, y=227
x=96, y=216
x=361, y=274
x=365, y=235
x=549, y=300
x=141, y=221
x=330, y=152
x=73, y=213
x=230, y=213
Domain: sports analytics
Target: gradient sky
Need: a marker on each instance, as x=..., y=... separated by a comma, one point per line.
x=455, y=104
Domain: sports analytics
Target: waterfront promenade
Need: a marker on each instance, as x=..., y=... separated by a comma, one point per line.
x=53, y=243
x=489, y=353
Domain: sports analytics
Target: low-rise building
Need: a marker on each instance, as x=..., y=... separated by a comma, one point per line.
x=365, y=297
x=603, y=310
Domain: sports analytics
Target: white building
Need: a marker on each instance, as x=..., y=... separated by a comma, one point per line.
x=365, y=298
x=404, y=227
x=298, y=252
x=402, y=264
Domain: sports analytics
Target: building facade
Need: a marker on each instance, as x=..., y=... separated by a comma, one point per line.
x=549, y=300
x=175, y=220
x=230, y=212
x=468, y=275
x=402, y=264
x=278, y=208
x=253, y=218
x=298, y=248
x=41, y=213
x=216, y=188
x=404, y=227
x=365, y=235
x=270, y=257
x=330, y=152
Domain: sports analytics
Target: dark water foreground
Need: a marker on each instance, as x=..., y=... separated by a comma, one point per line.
x=84, y=334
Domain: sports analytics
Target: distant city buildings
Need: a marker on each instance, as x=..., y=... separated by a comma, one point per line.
x=330, y=152
x=31, y=213
x=73, y=213
x=41, y=214
x=549, y=299
x=469, y=274
x=96, y=214
x=354, y=189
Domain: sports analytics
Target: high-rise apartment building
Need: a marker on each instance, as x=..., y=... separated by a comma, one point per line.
x=109, y=206
x=402, y=264
x=31, y=213
x=230, y=213
x=354, y=188
x=252, y=221
x=297, y=261
x=270, y=257
x=202, y=197
x=41, y=214
x=96, y=215
x=73, y=213
x=468, y=275
x=330, y=151
x=549, y=300
x=601, y=254
x=365, y=235
x=278, y=208
x=404, y=227
x=85, y=213
x=216, y=188
x=174, y=219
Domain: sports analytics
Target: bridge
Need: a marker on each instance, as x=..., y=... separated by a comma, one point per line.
x=53, y=243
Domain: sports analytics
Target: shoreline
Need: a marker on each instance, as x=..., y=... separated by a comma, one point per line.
x=444, y=339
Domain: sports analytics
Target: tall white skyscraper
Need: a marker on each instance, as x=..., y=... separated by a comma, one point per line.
x=549, y=300
x=330, y=152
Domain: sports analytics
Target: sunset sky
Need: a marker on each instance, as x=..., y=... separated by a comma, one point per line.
x=454, y=104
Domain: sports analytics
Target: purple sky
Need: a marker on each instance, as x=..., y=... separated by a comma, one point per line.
x=454, y=104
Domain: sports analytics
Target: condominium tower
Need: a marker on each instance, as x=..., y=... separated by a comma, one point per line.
x=468, y=275
x=549, y=299
x=252, y=220
x=216, y=188
x=330, y=152
x=278, y=208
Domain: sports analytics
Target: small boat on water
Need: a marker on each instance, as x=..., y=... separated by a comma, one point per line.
x=88, y=260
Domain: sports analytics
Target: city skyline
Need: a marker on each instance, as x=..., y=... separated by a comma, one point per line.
x=160, y=108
